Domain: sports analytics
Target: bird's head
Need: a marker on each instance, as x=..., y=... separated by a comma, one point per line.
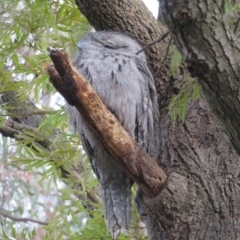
x=109, y=42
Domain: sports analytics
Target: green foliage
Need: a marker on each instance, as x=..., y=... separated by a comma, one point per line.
x=34, y=182
x=24, y=234
x=176, y=61
x=188, y=89
x=178, y=104
x=231, y=13
x=27, y=29
x=228, y=7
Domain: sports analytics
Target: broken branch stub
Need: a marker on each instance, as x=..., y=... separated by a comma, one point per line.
x=78, y=92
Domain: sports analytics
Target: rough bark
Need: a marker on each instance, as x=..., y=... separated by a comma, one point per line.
x=201, y=197
x=78, y=92
x=211, y=52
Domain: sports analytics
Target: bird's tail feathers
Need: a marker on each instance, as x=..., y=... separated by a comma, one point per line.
x=116, y=195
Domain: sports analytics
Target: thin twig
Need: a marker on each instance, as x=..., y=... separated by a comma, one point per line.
x=155, y=41
x=16, y=219
x=27, y=114
x=164, y=59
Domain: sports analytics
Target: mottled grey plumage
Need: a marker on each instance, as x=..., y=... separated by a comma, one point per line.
x=122, y=79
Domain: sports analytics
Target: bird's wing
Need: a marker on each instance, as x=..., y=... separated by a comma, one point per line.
x=151, y=109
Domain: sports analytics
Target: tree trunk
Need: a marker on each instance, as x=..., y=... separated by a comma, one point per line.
x=211, y=53
x=201, y=198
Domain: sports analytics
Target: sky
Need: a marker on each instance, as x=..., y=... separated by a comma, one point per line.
x=152, y=5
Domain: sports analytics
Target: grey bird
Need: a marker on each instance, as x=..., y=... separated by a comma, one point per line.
x=125, y=84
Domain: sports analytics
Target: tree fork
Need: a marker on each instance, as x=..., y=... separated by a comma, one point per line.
x=120, y=145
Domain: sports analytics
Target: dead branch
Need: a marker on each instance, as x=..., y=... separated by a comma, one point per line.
x=120, y=145
x=17, y=219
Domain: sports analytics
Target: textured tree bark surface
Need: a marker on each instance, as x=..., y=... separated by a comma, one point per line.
x=211, y=52
x=121, y=146
x=201, y=198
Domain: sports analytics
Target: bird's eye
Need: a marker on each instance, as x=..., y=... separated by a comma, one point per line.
x=110, y=46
